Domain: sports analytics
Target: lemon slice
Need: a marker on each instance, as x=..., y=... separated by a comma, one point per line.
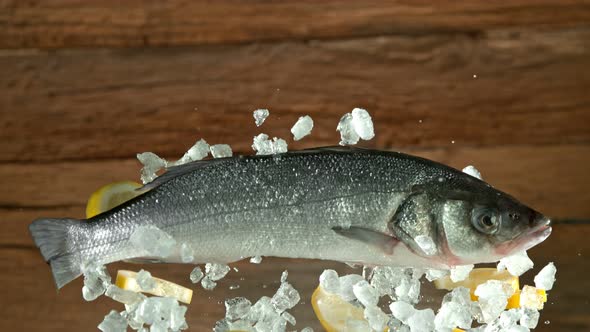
x=333, y=312
x=477, y=277
x=109, y=196
x=128, y=280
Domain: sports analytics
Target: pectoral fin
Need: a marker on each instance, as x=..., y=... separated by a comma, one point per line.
x=383, y=242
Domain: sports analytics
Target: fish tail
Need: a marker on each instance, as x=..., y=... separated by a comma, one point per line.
x=51, y=236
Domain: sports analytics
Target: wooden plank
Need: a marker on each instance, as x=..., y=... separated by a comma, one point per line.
x=504, y=87
x=63, y=23
x=28, y=288
x=550, y=179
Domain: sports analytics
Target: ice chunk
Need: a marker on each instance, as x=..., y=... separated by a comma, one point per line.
x=346, y=284
x=280, y=145
x=402, y=310
x=153, y=241
x=162, y=313
x=123, y=296
x=289, y=318
x=240, y=325
x=329, y=281
x=284, y=276
x=196, y=275
x=408, y=290
x=307, y=329
x=433, y=274
x=151, y=165
x=421, y=320
x=529, y=318
x=362, y=124
x=451, y=315
x=395, y=324
x=186, y=253
x=460, y=272
x=262, y=310
x=145, y=280
x=516, y=264
x=207, y=283
x=177, y=317
x=530, y=298
x=386, y=278
x=198, y=151
x=546, y=277
x=221, y=151
x=302, y=127
x=471, y=170
x=348, y=135
x=113, y=322
x=96, y=281
x=508, y=319
x=256, y=259
x=376, y=317
x=237, y=308
x=493, y=297
x=260, y=115
x=426, y=244
x=216, y=271
x=263, y=146
x=285, y=298
x=457, y=310
x=365, y=293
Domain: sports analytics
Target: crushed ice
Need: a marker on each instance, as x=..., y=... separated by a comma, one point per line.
x=96, y=281
x=302, y=127
x=546, y=277
x=354, y=126
x=516, y=264
x=221, y=151
x=259, y=116
x=264, y=146
x=152, y=241
x=267, y=314
x=471, y=170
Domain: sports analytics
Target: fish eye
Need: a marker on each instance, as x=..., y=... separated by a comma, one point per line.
x=486, y=221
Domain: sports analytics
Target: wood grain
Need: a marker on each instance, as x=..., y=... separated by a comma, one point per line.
x=35, y=303
x=530, y=87
x=63, y=23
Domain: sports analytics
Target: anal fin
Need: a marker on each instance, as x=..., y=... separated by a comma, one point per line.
x=382, y=241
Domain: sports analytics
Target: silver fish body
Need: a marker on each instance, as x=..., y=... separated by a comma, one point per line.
x=344, y=204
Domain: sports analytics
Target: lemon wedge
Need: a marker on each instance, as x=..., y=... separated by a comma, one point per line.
x=477, y=277
x=333, y=312
x=128, y=280
x=535, y=297
x=109, y=196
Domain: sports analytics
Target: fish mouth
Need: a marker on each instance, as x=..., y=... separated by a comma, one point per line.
x=527, y=240
x=538, y=234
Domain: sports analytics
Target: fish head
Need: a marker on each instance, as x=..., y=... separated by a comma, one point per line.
x=486, y=226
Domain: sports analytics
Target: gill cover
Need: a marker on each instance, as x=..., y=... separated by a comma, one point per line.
x=414, y=223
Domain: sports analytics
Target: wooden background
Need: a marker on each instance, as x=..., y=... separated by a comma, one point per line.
x=84, y=85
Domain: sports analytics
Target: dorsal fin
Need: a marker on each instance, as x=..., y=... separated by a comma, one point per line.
x=175, y=171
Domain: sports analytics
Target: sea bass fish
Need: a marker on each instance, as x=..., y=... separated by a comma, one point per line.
x=344, y=204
